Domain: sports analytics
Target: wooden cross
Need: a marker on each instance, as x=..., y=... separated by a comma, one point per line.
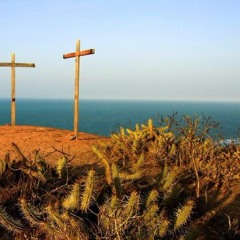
x=77, y=55
x=13, y=64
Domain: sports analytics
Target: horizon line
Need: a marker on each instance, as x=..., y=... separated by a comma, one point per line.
x=131, y=99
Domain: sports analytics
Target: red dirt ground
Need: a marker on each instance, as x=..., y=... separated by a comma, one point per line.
x=50, y=142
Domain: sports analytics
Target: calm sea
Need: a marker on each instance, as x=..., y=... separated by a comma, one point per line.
x=103, y=117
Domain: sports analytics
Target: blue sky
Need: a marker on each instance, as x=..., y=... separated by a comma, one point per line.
x=152, y=49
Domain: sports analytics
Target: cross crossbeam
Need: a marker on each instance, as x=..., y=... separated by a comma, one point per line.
x=17, y=64
x=77, y=56
x=80, y=53
x=13, y=64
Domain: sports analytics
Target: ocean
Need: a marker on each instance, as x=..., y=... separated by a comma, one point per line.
x=104, y=117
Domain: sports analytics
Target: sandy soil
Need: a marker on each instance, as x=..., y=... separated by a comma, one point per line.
x=49, y=142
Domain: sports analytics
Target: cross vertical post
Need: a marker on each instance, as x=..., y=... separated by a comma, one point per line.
x=76, y=91
x=13, y=64
x=77, y=55
x=13, y=102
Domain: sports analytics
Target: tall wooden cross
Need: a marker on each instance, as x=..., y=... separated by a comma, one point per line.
x=13, y=64
x=77, y=56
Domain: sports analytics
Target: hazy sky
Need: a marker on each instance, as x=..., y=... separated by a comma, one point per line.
x=151, y=49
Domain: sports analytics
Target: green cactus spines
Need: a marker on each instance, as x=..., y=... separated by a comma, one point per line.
x=109, y=211
x=137, y=135
x=132, y=205
x=97, y=152
x=173, y=150
x=149, y=214
x=164, y=173
x=71, y=202
x=160, y=141
x=138, y=164
x=114, y=203
x=130, y=177
x=163, y=227
x=88, y=191
x=61, y=167
x=183, y=214
x=169, y=135
x=152, y=198
x=129, y=131
x=54, y=216
x=107, y=171
x=170, y=179
x=105, y=164
x=67, y=218
x=116, y=181
x=3, y=166
x=122, y=132
x=32, y=217
x=150, y=126
x=134, y=146
x=162, y=129
x=114, y=136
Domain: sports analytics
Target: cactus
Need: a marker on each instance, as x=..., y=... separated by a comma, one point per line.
x=134, y=146
x=163, y=227
x=88, y=191
x=150, y=126
x=152, y=198
x=28, y=213
x=149, y=174
x=3, y=166
x=130, y=177
x=105, y=164
x=149, y=216
x=110, y=214
x=54, y=217
x=132, y=205
x=183, y=214
x=71, y=202
x=116, y=181
x=138, y=164
x=170, y=179
x=61, y=167
x=173, y=150
x=11, y=224
x=122, y=132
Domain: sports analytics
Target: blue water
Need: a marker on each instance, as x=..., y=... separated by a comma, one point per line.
x=104, y=117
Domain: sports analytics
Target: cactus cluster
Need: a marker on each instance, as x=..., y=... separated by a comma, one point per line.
x=46, y=202
x=181, y=165
x=166, y=182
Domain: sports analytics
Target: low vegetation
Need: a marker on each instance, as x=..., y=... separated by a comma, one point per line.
x=170, y=181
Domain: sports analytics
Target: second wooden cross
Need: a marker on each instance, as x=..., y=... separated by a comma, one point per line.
x=77, y=55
